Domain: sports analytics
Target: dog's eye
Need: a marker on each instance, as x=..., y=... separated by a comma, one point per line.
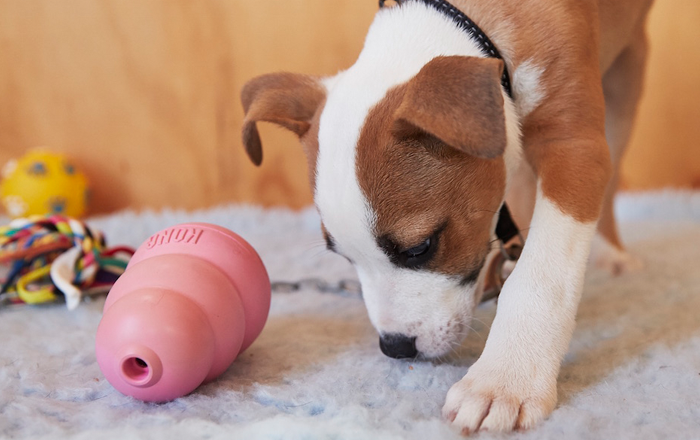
x=415, y=257
x=418, y=255
x=330, y=243
x=419, y=250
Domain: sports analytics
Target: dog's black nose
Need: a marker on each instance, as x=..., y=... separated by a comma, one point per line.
x=398, y=346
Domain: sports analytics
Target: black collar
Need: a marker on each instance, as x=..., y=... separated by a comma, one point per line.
x=466, y=24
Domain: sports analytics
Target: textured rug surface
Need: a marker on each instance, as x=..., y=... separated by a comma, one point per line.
x=316, y=372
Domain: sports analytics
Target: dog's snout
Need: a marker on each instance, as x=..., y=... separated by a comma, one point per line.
x=398, y=346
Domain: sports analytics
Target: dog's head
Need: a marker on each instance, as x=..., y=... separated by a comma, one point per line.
x=408, y=181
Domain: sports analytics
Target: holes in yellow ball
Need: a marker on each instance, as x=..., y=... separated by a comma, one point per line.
x=37, y=169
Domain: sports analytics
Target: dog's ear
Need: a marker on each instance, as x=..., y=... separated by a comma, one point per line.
x=286, y=99
x=457, y=100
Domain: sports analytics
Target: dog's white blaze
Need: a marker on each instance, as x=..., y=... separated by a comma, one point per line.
x=399, y=43
x=527, y=86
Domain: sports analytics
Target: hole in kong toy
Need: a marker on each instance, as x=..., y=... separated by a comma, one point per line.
x=136, y=371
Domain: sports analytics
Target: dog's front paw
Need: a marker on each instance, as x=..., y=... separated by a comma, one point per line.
x=495, y=399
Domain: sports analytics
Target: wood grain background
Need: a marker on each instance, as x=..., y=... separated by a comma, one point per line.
x=143, y=94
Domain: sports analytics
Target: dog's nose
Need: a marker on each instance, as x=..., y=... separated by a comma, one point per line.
x=398, y=346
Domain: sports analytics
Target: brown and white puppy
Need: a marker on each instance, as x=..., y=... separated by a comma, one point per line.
x=414, y=148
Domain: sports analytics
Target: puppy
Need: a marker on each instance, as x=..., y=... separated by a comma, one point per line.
x=413, y=150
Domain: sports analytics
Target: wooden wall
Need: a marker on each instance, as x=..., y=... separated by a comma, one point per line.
x=665, y=148
x=143, y=94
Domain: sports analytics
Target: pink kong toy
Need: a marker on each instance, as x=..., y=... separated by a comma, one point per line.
x=192, y=298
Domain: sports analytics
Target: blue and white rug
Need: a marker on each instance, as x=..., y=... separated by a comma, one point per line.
x=316, y=372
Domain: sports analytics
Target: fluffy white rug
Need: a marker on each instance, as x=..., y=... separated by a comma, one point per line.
x=316, y=372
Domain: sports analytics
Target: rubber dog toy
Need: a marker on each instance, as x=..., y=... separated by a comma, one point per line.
x=191, y=299
x=41, y=183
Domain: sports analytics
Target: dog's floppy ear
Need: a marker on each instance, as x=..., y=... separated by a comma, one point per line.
x=458, y=100
x=286, y=99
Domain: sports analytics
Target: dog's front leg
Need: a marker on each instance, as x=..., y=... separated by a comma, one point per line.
x=513, y=384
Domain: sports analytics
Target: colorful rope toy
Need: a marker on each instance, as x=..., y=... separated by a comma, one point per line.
x=50, y=254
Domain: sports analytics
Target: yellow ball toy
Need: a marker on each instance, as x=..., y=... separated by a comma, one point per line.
x=43, y=183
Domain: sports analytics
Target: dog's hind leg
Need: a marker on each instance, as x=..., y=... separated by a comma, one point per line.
x=622, y=86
